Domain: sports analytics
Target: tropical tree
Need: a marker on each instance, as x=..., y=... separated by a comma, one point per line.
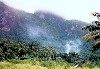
x=93, y=34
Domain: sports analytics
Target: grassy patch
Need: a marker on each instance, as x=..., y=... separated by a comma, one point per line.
x=31, y=64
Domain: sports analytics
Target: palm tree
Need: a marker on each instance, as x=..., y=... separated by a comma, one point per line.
x=93, y=33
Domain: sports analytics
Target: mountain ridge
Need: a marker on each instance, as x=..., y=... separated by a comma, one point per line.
x=48, y=28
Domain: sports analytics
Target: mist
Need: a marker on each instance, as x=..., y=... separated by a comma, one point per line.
x=35, y=32
x=73, y=45
x=41, y=35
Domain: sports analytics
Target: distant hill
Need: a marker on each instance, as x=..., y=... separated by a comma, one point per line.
x=45, y=27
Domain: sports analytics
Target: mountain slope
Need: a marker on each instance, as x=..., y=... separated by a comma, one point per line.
x=47, y=28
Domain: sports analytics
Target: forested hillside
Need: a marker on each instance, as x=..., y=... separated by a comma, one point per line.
x=47, y=28
x=43, y=40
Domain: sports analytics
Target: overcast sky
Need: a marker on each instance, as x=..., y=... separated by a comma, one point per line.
x=69, y=9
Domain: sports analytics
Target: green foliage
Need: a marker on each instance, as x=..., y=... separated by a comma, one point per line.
x=10, y=49
x=17, y=50
x=71, y=57
x=94, y=34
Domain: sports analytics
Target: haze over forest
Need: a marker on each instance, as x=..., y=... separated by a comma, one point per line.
x=46, y=40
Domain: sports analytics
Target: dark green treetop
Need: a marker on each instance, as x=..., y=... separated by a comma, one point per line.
x=93, y=32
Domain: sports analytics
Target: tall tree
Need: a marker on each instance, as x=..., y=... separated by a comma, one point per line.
x=93, y=34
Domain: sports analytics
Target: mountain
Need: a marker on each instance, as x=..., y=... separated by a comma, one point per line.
x=49, y=29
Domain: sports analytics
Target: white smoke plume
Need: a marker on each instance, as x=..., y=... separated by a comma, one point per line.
x=34, y=31
x=73, y=45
